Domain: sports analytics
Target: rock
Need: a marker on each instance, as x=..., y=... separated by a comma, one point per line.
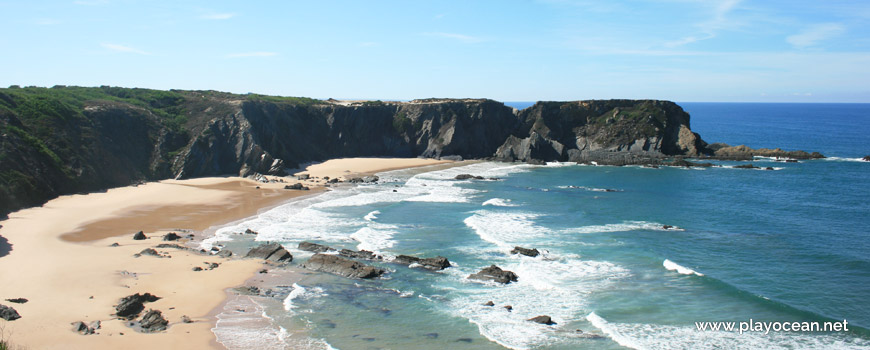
x=197, y=268
x=342, y=266
x=251, y=232
x=489, y=303
x=544, y=319
x=301, y=177
x=274, y=252
x=355, y=180
x=264, y=271
x=468, y=177
x=149, y=251
x=362, y=254
x=769, y=168
x=9, y=314
x=224, y=253
x=667, y=227
x=494, y=273
x=509, y=308
x=525, y=251
x=172, y=236
x=333, y=181
x=436, y=263
x=370, y=179
x=115, y=244
x=82, y=328
x=686, y=163
x=745, y=166
x=866, y=158
x=314, y=247
x=139, y=236
x=186, y=319
x=17, y=300
x=130, y=306
x=153, y=321
x=296, y=186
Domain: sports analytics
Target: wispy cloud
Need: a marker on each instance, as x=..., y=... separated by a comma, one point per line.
x=217, y=16
x=816, y=34
x=252, y=54
x=468, y=39
x=125, y=49
x=709, y=28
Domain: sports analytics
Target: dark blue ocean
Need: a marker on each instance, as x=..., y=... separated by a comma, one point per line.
x=791, y=244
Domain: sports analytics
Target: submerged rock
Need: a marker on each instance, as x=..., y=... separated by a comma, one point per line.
x=866, y=158
x=494, y=273
x=468, y=177
x=342, y=266
x=544, y=319
x=525, y=251
x=745, y=166
x=436, y=263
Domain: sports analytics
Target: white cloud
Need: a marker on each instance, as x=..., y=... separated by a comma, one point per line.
x=815, y=34
x=718, y=21
x=454, y=36
x=125, y=49
x=217, y=16
x=253, y=54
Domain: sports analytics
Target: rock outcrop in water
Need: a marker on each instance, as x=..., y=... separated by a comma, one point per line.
x=66, y=140
x=337, y=265
x=495, y=274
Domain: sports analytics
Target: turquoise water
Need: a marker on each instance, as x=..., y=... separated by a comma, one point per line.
x=784, y=245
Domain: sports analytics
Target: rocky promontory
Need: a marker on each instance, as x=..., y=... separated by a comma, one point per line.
x=63, y=140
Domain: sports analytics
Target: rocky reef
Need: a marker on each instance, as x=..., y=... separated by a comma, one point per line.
x=63, y=140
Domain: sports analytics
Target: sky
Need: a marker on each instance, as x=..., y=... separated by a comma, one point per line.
x=680, y=50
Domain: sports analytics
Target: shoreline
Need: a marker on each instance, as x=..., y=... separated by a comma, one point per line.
x=69, y=272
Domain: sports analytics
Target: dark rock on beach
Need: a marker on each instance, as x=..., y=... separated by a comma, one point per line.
x=544, y=319
x=296, y=186
x=314, y=247
x=139, y=236
x=83, y=328
x=172, y=236
x=130, y=306
x=17, y=300
x=153, y=321
x=9, y=314
x=436, y=263
x=274, y=252
x=525, y=251
x=342, y=266
x=151, y=252
x=494, y=273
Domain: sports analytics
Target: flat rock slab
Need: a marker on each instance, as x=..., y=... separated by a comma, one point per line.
x=341, y=266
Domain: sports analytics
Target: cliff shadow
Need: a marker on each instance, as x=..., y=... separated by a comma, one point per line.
x=5, y=247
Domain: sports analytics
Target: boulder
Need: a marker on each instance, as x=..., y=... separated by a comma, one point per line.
x=296, y=186
x=686, y=163
x=525, y=251
x=333, y=181
x=370, y=179
x=301, y=177
x=489, y=303
x=362, y=254
x=251, y=232
x=153, y=321
x=186, y=319
x=130, y=306
x=9, y=314
x=866, y=158
x=17, y=300
x=172, y=236
x=467, y=177
x=139, y=236
x=224, y=253
x=496, y=274
x=544, y=319
x=149, y=251
x=314, y=247
x=274, y=252
x=342, y=266
x=82, y=328
x=436, y=263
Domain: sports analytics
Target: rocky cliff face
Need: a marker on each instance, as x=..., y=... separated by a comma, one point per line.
x=69, y=139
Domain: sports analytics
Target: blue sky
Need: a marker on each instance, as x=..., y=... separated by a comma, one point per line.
x=681, y=50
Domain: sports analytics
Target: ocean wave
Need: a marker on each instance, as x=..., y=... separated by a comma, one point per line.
x=654, y=337
x=499, y=202
x=299, y=293
x=504, y=229
x=374, y=239
x=544, y=287
x=844, y=159
x=672, y=266
x=371, y=216
x=592, y=189
x=625, y=226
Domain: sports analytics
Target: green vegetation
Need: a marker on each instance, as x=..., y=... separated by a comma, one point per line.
x=299, y=101
x=373, y=103
x=402, y=123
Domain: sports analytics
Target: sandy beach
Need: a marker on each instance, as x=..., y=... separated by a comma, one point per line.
x=60, y=257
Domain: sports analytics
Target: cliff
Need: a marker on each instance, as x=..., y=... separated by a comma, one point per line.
x=63, y=140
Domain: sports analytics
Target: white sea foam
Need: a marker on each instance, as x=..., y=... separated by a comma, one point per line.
x=505, y=229
x=592, y=189
x=625, y=226
x=374, y=239
x=553, y=287
x=655, y=337
x=672, y=266
x=372, y=216
x=499, y=202
x=246, y=330
x=845, y=159
x=299, y=293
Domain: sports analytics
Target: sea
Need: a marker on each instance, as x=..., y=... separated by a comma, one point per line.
x=630, y=257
